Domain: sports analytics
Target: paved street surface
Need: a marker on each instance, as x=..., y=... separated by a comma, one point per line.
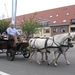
x=21, y=66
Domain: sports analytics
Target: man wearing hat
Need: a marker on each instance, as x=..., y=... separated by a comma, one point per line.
x=13, y=33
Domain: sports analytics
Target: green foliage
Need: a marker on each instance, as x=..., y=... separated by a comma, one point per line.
x=28, y=47
x=3, y=25
x=30, y=26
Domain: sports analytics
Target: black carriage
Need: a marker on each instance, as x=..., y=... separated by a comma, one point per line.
x=6, y=46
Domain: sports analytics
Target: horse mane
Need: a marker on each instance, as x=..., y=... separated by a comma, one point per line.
x=60, y=37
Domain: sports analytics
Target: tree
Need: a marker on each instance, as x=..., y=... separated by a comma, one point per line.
x=30, y=26
x=3, y=25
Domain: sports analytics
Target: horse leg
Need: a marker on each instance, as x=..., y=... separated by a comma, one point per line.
x=54, y=60
x=42, y=56
x=37, y=58
x=31, y=49
x=46, y=56
x=58, y=57
x=31, y=54
x=55, y=56
x=68, y=63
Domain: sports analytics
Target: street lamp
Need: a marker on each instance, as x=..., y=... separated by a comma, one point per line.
x=14, y=7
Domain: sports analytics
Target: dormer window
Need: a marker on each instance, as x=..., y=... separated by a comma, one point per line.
x=54, y=21
x=51, y=16
x=67, y=14
x=64, y=20
x=57, y=15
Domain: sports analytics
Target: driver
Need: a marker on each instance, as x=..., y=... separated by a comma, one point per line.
x=13, y=33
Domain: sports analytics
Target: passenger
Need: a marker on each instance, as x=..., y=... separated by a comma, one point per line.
x=13, y=33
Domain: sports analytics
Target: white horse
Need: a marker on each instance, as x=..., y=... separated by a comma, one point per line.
x=51, y=45
x=64, y=46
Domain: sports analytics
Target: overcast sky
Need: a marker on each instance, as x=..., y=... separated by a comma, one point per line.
x=30, y=6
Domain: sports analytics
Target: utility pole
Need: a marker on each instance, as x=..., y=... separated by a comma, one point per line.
x=14, y=7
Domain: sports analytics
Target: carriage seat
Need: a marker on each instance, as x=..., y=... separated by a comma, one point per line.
x=5, y=36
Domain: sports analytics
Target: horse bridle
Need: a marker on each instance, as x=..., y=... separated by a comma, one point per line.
x=69, y=42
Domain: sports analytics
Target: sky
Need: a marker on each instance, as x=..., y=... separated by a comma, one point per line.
x=30, y=6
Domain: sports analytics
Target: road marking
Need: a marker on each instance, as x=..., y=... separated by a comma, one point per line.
x=3, y=73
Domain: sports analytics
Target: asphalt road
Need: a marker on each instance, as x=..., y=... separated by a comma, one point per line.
x=21, y=66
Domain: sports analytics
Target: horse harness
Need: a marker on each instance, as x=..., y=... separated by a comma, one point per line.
x=45, y=46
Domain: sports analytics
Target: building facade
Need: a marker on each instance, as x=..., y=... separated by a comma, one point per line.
x=52, y=21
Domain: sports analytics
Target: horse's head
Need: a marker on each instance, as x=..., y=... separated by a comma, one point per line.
x=67, y=40
x=31, y=40
x=70, y=44
x=73, y=36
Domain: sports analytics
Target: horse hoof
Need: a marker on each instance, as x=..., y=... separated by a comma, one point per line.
x=55, y=65
x=68, y=63
x=39, y=63
x=30, y=61
x=48, y=64
x=46, y=58
x=56, y=62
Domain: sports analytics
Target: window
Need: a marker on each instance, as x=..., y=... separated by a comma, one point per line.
x=73, y=21
x=37, y=32
x=67, y=14
x=55, y=29
x=72, y=29
x=54, y=21
x=64, y=20
x=51, y=16
x=62, y=30
x=57, y=15
x=41, y=24
x=46, y=31
x=47, y=23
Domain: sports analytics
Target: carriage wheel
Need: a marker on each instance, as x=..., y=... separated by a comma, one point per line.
x=10, y=55
x=26, y=53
